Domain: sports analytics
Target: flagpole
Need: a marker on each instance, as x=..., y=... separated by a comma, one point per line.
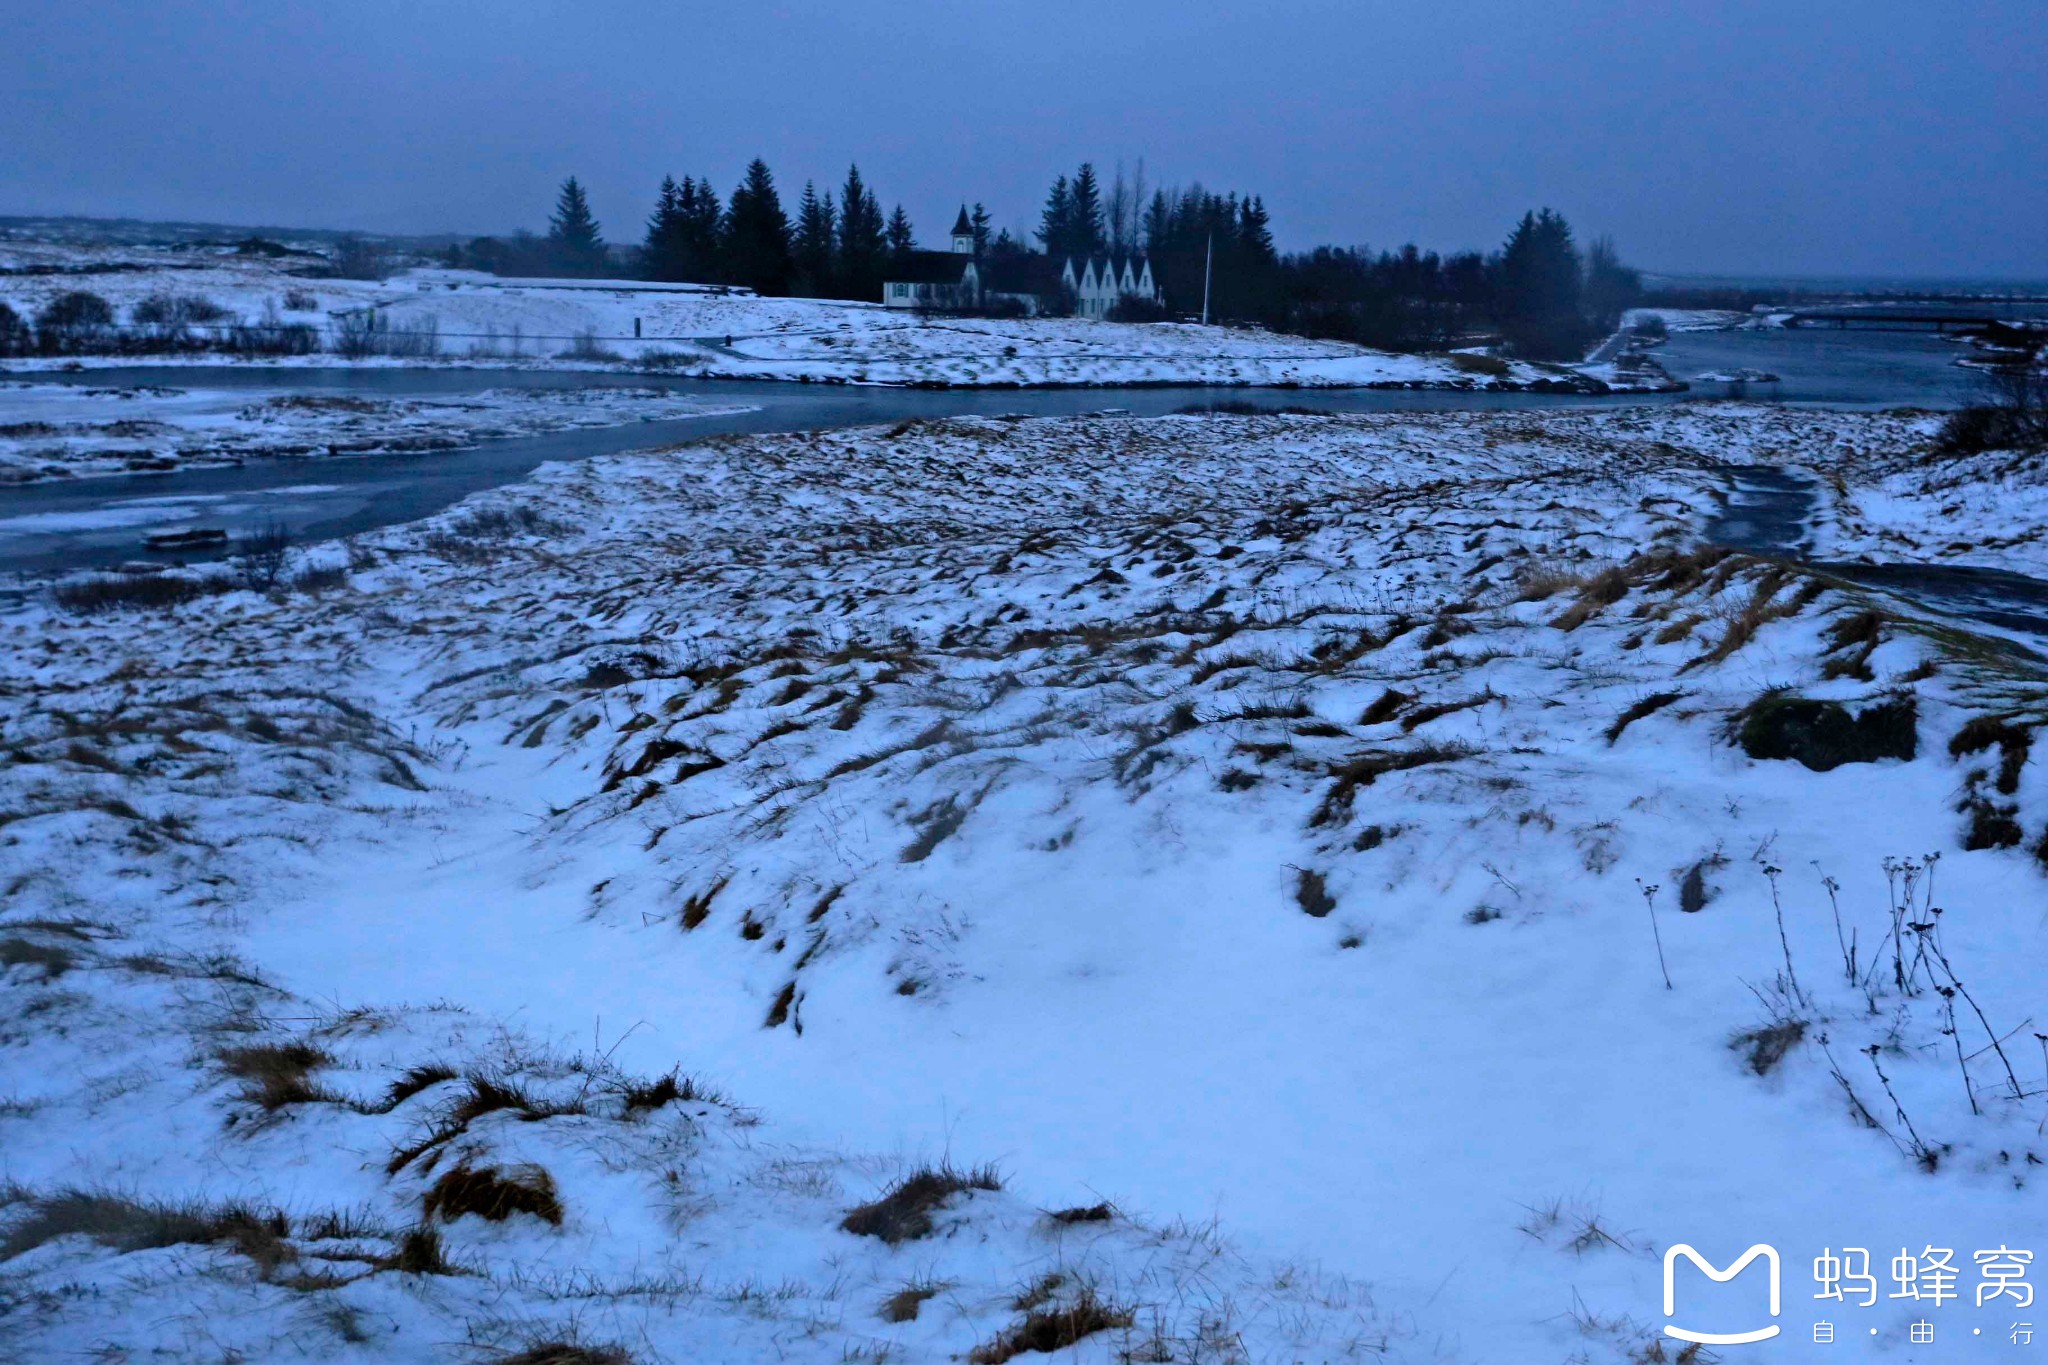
x=1208, y=259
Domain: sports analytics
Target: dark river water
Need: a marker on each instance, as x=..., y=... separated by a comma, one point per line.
x=1824, y=366
x=1767, y=510
x=100, y=521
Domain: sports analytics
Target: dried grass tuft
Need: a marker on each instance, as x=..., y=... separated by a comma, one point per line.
x=904, y=1212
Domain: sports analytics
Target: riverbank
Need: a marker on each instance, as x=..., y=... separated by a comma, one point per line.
x=1331, y=827
x=68, y=524
x=458, y=317
x=71, y=431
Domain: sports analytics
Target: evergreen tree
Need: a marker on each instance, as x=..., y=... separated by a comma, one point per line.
x=573, y=235
x=1088, y=237
x=863, y=240
x=814, y=250
x=699, y=232
x=1056, y=220
x=661, y=253
x=978, y=220
x=1541, y=282
x=755, y=243
x=902, y=239
x=1254, y=235
x=1158, y=223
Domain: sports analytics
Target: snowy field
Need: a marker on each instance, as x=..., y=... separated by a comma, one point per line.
x=1318, y=863
x=691, y=330
x=1690, y=319
x=57, y=431
x=1905, y=504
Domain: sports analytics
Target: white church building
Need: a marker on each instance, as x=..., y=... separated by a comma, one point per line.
x=963, y=277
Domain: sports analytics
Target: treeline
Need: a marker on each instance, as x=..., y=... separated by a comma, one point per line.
x=79, y=322
x=833, y=247
x=1541, y=293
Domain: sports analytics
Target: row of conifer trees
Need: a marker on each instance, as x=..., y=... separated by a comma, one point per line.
x=1540, y=291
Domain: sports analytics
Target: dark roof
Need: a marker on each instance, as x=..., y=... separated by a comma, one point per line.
x=1020, y=274
x=961, y=227
x=927, y=267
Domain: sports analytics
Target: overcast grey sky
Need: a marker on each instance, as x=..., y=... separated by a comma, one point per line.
x=1888, y=137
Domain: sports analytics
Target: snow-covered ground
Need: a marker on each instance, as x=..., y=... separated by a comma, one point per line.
x=583, y=323
x=55, y=431
x=1690, y=319
x=1324, y=841
x=1905, y=502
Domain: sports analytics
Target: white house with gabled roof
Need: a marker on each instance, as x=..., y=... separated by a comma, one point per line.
x=1097, y=282
x=963, y=276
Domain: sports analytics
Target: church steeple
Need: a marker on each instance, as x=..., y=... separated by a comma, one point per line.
x=963, y=233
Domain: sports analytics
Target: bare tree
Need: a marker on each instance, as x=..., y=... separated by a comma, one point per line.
x=1117, y=212
x=356, y=258
x=1133, y=228
x=2013, y=414
x=2021, y=392
x=1124, y=209
x=263, y=556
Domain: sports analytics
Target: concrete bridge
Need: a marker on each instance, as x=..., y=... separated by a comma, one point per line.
x=1895, y=320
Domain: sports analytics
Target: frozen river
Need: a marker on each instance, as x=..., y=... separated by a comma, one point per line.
x=100, y=521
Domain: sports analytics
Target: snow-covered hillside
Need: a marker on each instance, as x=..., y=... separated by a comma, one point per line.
x=474, y=318
x=1367, y=885
x=1914, y=504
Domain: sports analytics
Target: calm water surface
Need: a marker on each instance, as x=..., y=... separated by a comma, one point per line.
x=101, y=521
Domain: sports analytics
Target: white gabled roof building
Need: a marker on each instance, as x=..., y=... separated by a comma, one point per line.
x=961, y=276
x=1102, y=280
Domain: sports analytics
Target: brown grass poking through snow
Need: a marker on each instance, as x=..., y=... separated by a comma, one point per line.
x=696, y=908
x=1656, y=701
x=565, y=1353
x=904, y=1212
x=1364, y=769
x=420, y=1253
x=1540, y=584
x=53, y=960
x=1084, y=1213
x=1769, y=1045
x=416, y=1079
x=673, y=1088
x=148, y=592
x=1739, y=625
x=494, y=1197
x=1604, y=589
x=2014, y=743
x=905, y=1304
x=1385, y=707
x=274, y=1075
x=935, y=824
x=1423, y=715
x=1039, y=1292
x=128, y=1224
x=1678, y=630
x=1312, y=893
x=1047, y=1330
x=486, y=1095
x=1852, y=639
